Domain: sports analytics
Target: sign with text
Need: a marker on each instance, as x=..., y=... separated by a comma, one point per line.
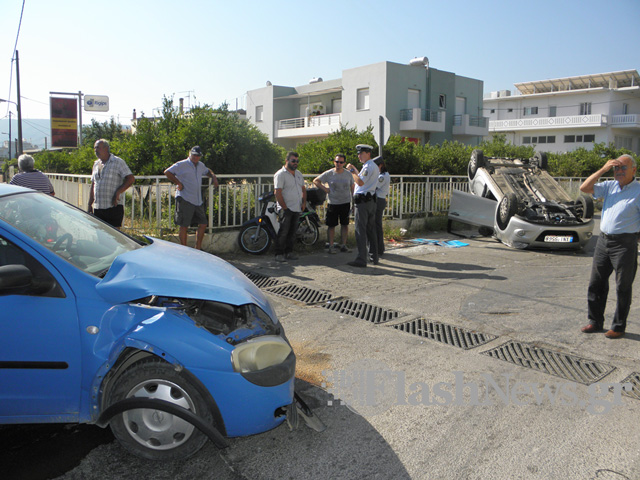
x=64, y=122
x=96, y=103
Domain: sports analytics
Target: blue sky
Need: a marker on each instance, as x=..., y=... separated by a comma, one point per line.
x=213, y=51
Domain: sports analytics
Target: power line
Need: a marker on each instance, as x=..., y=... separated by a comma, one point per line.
x=15, y=46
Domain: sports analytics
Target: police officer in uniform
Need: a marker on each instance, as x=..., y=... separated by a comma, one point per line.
x=364, y=199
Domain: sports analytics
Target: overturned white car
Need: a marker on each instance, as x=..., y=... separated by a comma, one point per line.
x=523, y=205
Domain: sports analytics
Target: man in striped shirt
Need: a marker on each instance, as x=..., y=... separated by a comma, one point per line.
x=31, y=178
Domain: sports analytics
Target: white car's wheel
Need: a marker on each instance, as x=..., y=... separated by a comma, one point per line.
x=507, y=208
x=477, y=161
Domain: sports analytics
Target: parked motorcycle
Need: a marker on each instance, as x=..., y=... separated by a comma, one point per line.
x=257, y=234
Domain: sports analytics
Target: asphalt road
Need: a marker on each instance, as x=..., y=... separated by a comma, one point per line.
x=400, y=405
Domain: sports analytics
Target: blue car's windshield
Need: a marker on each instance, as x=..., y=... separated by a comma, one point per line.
x=67, y=231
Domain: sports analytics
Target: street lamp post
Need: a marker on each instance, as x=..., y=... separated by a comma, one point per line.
x=9, y=101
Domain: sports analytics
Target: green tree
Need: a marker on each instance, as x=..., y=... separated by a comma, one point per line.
x=108, y=130
x=317, y=155
x=230, y=144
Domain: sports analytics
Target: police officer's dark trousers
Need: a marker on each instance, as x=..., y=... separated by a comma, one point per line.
x=365, y=220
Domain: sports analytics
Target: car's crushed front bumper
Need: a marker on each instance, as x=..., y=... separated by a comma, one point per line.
x=523, y=234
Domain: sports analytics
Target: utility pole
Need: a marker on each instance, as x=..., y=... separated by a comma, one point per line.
x=80, y=118
x=19, y=152
x=10, y=135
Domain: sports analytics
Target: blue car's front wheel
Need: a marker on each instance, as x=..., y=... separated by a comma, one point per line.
x=154, y=434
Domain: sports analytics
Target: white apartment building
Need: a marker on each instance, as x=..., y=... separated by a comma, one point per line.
x=418, y=102
x=564, y=114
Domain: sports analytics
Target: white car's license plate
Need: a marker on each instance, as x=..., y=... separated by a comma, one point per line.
x=558, y=238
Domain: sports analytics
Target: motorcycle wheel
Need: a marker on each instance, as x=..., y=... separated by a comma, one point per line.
x=307, y=232
x=252, y=241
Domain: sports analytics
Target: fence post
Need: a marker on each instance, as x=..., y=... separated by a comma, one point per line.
x=158, y=208
x=401, y=198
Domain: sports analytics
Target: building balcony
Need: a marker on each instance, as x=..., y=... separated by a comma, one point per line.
x=625, y=121
x=316, y=126
x=534, y=123
x=470, y=125
x=421, y=120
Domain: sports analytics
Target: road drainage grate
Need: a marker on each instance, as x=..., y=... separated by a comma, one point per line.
x=301, y=294
x=441, y=332
x=363, y=311
x=570, y=367
x=262, y=281
x=634, y=380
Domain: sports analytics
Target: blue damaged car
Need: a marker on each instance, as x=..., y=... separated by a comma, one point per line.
x=166, y=344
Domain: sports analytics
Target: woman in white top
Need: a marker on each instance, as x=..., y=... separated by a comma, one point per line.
x=382, y=191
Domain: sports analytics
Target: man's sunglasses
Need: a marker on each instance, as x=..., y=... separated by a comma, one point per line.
x=339, y=161
x=294, y=160
x=621, y=167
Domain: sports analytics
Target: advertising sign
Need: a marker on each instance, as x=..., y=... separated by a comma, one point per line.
x=64, y=122
x=96, y=103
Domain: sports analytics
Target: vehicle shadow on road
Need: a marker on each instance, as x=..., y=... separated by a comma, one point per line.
x=350, y=447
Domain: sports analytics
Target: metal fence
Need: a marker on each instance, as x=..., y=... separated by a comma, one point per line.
x=150, y=202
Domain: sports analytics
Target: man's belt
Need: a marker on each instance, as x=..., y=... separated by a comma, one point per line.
x=618, y=236
x=364, y=197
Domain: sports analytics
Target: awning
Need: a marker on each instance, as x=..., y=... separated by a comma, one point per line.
x=624, y=78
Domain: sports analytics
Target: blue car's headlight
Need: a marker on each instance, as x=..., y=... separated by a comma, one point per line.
x=266, y=361
x=260, y=353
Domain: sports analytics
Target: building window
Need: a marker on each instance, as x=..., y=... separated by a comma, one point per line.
x=362, y=99
x=510, y=110
x=530, y=110
x=493, y=110
x=259, y=113
x=585, y=108
x=537, y=140
x=442, y=102
x=552, y=111
x=623, y=142
x=569, y=139
x=589, y=138
x=625, y=109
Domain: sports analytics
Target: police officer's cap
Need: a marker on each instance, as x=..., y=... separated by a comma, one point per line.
x=364, y=148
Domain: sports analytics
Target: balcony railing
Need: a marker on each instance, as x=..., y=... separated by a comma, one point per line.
x=422, y=120
x=308, y=126
x=471, y=125
x=625, y=121
x=572, y=121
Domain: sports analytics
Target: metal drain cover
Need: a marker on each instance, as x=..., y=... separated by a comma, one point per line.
x=302, y=294
x=441, y=332
x=262, y=281
x=634, y=380
x=362, y=310
x=570, y=367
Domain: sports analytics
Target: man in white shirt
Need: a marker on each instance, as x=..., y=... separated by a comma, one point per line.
x=292, y=198
x=187, y=175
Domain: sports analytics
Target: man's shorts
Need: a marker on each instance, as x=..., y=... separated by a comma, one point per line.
x=187, y=213
x=338, y=212
x=113, y=216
